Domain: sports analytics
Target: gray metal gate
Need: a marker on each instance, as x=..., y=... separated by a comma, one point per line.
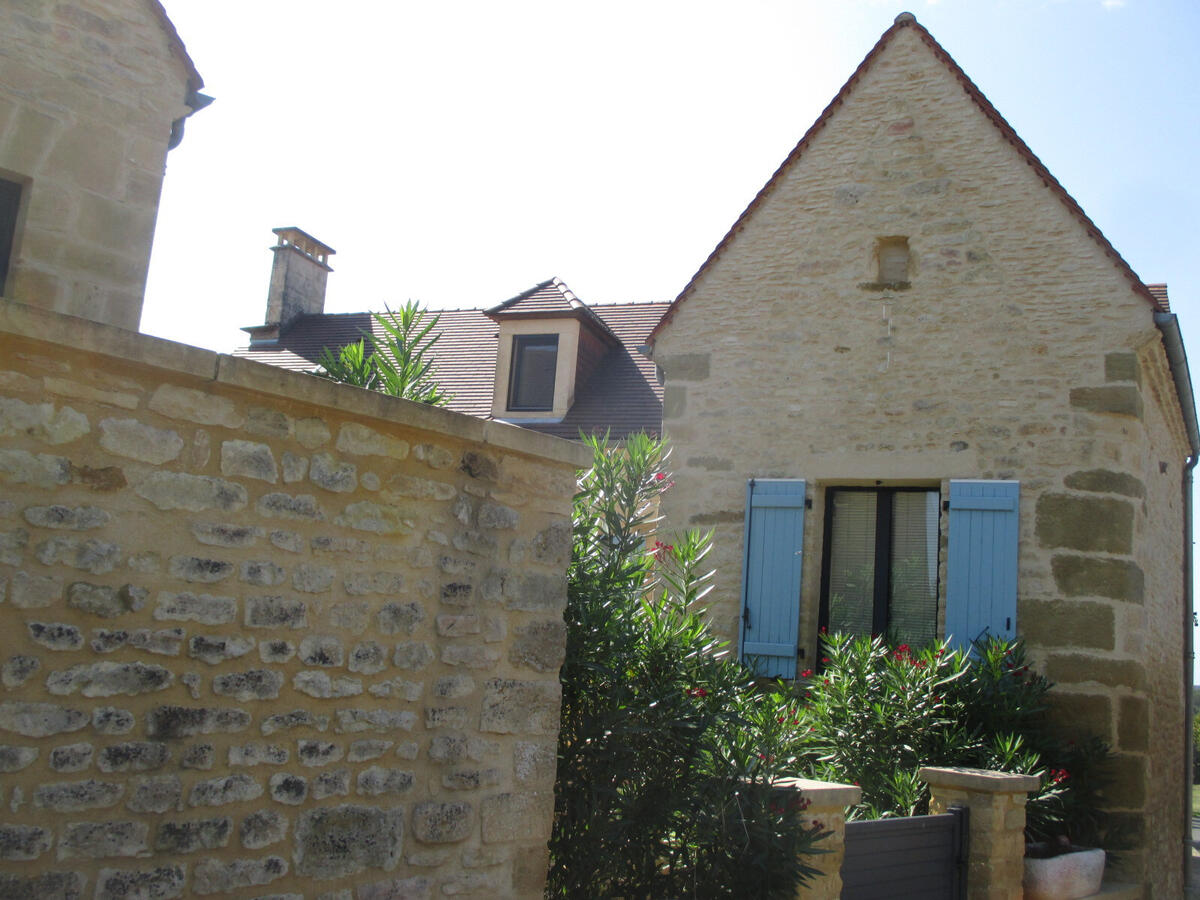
x=921, y=857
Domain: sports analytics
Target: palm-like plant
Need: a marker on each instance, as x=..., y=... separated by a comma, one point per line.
x=400, y=363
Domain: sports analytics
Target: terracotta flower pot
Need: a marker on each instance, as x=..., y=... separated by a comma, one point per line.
x=1068, y=876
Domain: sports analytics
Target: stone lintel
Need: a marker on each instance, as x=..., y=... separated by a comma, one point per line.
x=822, y=794
x=978, y=780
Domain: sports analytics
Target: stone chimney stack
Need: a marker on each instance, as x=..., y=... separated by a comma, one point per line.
x=297, y=288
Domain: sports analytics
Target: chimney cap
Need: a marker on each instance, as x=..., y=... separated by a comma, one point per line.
x=291, y=236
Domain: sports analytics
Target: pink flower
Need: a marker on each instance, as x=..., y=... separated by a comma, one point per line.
x=659, y=476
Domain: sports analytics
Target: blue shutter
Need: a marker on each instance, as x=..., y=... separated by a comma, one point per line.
x=981, y=594
x=771, y=581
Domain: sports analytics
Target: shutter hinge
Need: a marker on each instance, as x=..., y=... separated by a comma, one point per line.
x=808, y=502
x=945, y=506
x=800, y=651
x=746, y=616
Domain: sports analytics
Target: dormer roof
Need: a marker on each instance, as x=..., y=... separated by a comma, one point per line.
x=551, y=299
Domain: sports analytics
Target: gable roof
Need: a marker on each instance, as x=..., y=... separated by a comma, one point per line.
x=623, y=394
x=907, y=20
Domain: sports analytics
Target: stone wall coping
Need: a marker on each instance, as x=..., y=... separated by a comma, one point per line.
x=823, y=794
x=21, y=320
x=981, y=780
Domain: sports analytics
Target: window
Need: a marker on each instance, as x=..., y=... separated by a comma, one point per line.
x=892, y=255
x=881, y=563
x=10, y=202
x=880, y=566
x=531, y=376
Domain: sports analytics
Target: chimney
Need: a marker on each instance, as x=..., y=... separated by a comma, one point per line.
x=297, y=283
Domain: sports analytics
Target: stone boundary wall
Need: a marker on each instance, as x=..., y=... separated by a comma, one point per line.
x=265, y=635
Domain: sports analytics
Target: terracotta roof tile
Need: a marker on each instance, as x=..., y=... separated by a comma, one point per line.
x=907, y=20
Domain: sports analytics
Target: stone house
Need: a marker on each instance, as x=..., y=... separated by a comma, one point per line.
x=933, y=400
x=93, y=94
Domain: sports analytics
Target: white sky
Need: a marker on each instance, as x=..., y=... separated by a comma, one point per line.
x=460, y=152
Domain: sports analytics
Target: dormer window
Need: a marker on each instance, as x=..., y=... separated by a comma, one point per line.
x=531, y=380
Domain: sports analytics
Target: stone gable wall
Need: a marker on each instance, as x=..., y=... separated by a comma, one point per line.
x=88, y=92
x=264, y=634
x=1016, y=350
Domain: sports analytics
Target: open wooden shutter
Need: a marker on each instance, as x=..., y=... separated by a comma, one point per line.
x=771, y=584
x=981, y=593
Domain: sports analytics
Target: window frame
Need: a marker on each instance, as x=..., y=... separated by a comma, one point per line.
x=12, y=194
x=520, y=342
x=881, y=596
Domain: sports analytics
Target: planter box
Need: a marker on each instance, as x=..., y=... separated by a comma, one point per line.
x=1068, y=876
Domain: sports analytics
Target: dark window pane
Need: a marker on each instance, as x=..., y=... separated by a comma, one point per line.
x=531, y=386
x=852, y=562
x=10, y=202
x=912, y=614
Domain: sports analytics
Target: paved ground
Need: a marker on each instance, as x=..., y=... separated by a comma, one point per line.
x=1194, y=891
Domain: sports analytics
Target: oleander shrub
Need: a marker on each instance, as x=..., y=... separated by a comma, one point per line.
x=665, y=766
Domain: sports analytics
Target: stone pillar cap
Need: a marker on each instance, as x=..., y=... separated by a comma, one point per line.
x=904, y=18
x=822, y=793
x=982, y=780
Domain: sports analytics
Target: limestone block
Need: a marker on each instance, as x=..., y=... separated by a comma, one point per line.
x=540, y=646
x=55, y=635
x=106, y=679
x=195, y=834
x=516, y=816
x=72, y=758
x=262, y=572
x=366, y=515
x=288, y=788
x=368, y=658
x=105, y=601
x=110, y=720
x=276, y=651
x=41, y=421
x=18, y=669
x=194, y=493
x=400, y=618
x=160, y=882
x=214, y=876
x=14, y=759
x=360, y=751
x=36, y=470
x=1085, y=523
x=333, y=842
x=313, y=578
x=1079, y=576
x=168, y=722
x=516, y=707
x=207, y=609
x=475, y=464
x=376, y=780
x=416, y=888
x=452, y=686
x=258, y=754
x=397, y=687
x=156, y=794
x=363, y=441
x=201, y=407
x=136, y=440
x=331, y=474
x=39, y=719
x=287, y=540
x=254, y=684
x=331, y=783
x=96, y=840
x=262, y=828
x=197, y=756
x=349, y=721
x=73, y=796
x=290, y=506
x=1115, y=399
x=133, y=756
x=90, y=554
x=20, y=843
x=248, y=459
x=223, y=790
x=322, y=686
x=1104, y=481
x=219, y=534
x=68, y=518
x=413, y=655
x=276, y=612
x=297, y=718
x=218, y=649
x=442, y=823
